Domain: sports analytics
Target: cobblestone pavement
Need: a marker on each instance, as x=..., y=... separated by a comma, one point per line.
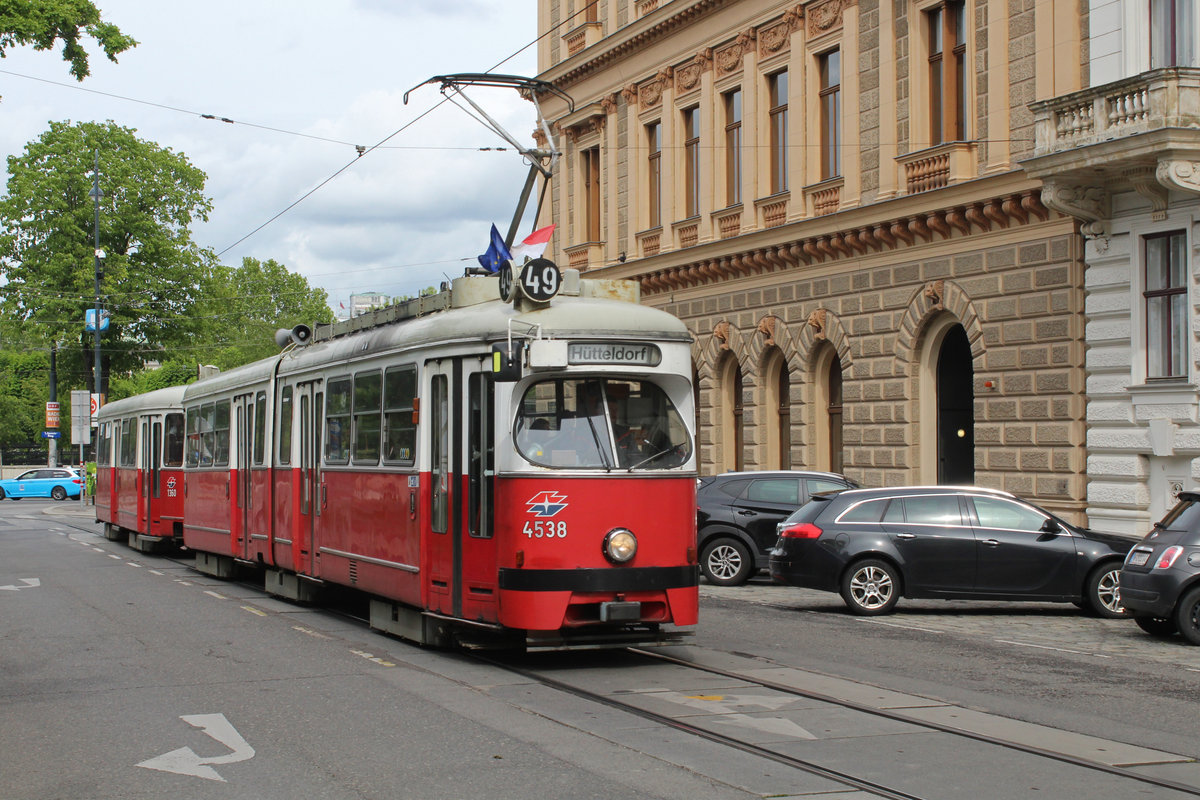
x=1052, y=626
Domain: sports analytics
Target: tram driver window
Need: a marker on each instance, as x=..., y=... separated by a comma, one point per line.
x=597, y=423
x=337, y=421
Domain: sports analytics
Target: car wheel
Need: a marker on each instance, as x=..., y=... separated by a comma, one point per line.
x=871, y=587
x=1103, y=592
x=58, y=493
x=1187, y=616
x=2, y=495
x=1157, y=626
x=726, y=562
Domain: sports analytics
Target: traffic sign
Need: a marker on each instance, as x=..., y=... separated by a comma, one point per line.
x=51, y=434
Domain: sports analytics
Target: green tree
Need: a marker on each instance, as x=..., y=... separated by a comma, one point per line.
x=244, y=306
x=23, y=394
x=41, y=23
x=152, y=269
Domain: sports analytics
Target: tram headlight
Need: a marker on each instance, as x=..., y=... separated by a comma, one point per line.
x=620, y=545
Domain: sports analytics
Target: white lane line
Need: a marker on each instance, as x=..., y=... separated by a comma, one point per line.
x=898, y=625
x=211, y=593
x=112, y=555
x=155, y=572
x=1055, y=649
x=134, y=564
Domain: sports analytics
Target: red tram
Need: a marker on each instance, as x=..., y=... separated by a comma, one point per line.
x=507, y=462
x=139, y=469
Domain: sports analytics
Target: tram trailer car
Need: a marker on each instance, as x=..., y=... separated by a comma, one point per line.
x=511, y=472
x=139, y=469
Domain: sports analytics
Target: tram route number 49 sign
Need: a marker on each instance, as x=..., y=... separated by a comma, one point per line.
x=539, y=280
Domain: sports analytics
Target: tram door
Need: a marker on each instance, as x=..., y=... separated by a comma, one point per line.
x=150, y=461
x=243, y=423
x=156, y=465
x=311, y=492
x=462, y=574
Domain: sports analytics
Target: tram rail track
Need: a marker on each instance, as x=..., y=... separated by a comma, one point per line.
x=810, y=766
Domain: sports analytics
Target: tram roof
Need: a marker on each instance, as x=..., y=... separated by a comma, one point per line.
x=471, y=312
x=170, y=398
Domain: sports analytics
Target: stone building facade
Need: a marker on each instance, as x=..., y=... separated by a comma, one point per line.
x=828, y=193
x=1123, y=156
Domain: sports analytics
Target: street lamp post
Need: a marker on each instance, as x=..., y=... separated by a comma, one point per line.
x=99, y=254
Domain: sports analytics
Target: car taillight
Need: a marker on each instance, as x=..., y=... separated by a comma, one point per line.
x=1168, y=557
x=76, y=480
x=803, y=530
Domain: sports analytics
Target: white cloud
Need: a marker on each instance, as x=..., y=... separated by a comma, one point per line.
x=397, y=219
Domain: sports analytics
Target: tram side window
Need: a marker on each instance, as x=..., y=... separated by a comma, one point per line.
x=208, y=418
x=337, y=421
x=173, y=452
x=285, y=425
x=191, y=455
x=368, y=389
x=260, y=427
x=128, y=444
x=104, y=445
x=399, y=425
x=221, y=434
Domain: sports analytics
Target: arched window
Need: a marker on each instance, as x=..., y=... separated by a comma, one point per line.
x=777, y=404
x=827, y=405
x=731, y=413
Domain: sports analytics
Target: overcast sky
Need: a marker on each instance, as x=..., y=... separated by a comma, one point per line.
x=400, y=218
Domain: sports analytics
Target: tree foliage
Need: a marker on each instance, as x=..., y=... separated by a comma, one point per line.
x=41, y=23
x=152, y=269
x=244, y=306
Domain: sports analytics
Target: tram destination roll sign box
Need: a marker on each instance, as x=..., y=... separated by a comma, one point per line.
x=640, y=355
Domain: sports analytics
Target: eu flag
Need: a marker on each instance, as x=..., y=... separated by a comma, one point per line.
x=497, y=253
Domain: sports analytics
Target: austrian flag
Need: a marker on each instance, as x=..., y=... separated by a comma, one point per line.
x=533, y=245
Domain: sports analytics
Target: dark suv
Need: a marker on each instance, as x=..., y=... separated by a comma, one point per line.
x=1160, y=582
x=737, y=513
x=874, y=546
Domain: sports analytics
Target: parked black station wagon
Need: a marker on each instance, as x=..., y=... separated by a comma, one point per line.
x=874, y=546
x=737, y=514
x=1160, y=582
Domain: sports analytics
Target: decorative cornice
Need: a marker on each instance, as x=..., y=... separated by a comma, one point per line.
x=986, y=215
x=637, y=41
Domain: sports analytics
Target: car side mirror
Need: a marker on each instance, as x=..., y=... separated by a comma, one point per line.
x=1050, y=526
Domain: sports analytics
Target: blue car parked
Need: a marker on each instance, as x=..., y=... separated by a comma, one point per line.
x=57, y=482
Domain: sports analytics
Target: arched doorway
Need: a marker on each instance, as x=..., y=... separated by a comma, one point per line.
x=955, y=408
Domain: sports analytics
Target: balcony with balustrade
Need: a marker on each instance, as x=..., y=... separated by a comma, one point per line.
x=1140, y=133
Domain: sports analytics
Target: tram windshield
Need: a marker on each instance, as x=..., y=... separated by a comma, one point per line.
x=601, y=423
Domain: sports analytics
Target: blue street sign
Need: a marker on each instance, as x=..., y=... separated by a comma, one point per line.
x=89, y=320
x=51, y=435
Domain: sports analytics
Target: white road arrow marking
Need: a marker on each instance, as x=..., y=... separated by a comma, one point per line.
x=29, y=584
x=727, y=709
x=184, y=761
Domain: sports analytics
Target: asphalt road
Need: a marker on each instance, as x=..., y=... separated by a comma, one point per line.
x=124, y=675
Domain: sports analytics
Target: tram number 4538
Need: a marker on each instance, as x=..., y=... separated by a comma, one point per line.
x=546, y=530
